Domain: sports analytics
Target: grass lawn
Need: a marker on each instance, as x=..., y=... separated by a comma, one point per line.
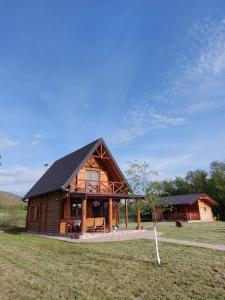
x=206, y=232
x=41, y=268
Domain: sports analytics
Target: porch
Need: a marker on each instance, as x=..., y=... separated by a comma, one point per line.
x=83, y=213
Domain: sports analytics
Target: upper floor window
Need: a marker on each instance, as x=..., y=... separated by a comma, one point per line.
x=92, y=181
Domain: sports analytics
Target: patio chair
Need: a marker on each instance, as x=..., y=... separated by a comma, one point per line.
x=100, y=223
x=90, y=223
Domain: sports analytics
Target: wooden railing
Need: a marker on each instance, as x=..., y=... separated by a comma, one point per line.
x=100, y=187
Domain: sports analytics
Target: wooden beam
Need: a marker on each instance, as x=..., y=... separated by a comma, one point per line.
x=110, y=215
x=138, y=215
x=83, y=217
x=126, y=213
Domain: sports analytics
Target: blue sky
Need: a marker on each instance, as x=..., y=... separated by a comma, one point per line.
x=147, y=76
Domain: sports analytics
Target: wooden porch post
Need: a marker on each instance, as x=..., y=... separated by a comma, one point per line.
x=126, y=213
x=83, y=217
x=68, y=211
x=138, y=214
x=110, y=215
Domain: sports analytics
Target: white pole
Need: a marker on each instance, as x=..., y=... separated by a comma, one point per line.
x=156, y=245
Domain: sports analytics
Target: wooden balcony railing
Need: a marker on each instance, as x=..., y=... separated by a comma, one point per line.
x=100, y=187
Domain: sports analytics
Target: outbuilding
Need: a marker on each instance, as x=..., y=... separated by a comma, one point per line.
x=191, y=207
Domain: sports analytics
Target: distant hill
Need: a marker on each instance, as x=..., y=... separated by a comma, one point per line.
x=9, y=199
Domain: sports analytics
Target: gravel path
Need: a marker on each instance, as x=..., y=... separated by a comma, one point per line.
x=134, y=235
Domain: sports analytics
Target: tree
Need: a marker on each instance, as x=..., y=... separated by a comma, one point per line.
x=181, y=186
x=140, y=177
x=169, y=187
x=216, y=186
x=197, y=181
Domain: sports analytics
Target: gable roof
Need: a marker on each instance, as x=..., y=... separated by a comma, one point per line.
x=60, y=174
x=186, y=199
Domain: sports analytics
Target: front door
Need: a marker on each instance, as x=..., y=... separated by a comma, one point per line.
x=97, y=211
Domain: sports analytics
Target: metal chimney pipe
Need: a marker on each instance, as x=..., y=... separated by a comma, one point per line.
x=46, y=167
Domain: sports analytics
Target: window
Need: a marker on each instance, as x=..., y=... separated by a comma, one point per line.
x=92, y=181
x=33, y=213
x=64, y=209
x=76, y=208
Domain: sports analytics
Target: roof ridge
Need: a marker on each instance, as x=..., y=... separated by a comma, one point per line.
x=73, y=152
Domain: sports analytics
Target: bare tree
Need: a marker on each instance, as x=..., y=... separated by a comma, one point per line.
x=142, y=180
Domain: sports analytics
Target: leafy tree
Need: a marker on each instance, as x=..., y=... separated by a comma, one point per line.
x=140, y=177
x=197, y=181
x=216, y=186
x=169, y=187
x=181, y=186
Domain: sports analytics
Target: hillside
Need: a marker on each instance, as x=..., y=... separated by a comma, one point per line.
x=9, y=199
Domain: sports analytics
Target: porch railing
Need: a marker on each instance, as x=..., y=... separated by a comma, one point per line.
x=101, y=187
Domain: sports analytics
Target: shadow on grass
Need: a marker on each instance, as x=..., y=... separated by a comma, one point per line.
x=13, y=229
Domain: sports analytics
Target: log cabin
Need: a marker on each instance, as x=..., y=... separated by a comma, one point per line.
x=80, y=192
x=192, y=207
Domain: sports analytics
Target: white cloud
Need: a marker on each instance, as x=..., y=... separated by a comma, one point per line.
x=200, y=74
x=202, y=106
x=6, y=142
x=37, y=139
x=140, y=120
x=18, y=179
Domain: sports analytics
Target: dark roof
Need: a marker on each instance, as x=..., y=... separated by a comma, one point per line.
x=62, y=170
x=185, y=199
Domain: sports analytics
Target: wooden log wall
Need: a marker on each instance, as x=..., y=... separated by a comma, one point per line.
x=205, y=211
x=44, y=213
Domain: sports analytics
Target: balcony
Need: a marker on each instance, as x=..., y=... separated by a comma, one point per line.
x=100, y=187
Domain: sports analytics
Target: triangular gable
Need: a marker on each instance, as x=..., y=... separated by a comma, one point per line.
x=101, y=151
x=61, y=173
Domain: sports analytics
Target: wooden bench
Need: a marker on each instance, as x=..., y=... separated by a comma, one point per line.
x=100, y=223
x=90, y=223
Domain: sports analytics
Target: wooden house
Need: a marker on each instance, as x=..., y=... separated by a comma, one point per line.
x=79, y=192
x=191, y=207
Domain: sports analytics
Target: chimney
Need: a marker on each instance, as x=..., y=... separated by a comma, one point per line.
x=46, y=167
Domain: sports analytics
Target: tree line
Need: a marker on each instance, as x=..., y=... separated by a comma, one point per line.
x=211, y=182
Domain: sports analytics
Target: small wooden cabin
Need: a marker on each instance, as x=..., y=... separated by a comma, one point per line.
x=186, y=207
x=81, y=191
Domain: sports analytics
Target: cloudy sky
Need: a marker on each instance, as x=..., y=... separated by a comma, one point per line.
x=147, y=76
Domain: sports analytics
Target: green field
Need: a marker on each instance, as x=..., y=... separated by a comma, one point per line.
x=205, y=232
x=12, y=210
x=41, y=268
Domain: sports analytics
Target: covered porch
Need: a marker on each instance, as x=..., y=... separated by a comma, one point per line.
x=83, y=213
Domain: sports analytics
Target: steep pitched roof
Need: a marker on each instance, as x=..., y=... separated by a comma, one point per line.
x=60, y=171
x=60, y=174
x=186, y=199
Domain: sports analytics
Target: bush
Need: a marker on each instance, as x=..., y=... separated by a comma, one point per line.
x=10, y=216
